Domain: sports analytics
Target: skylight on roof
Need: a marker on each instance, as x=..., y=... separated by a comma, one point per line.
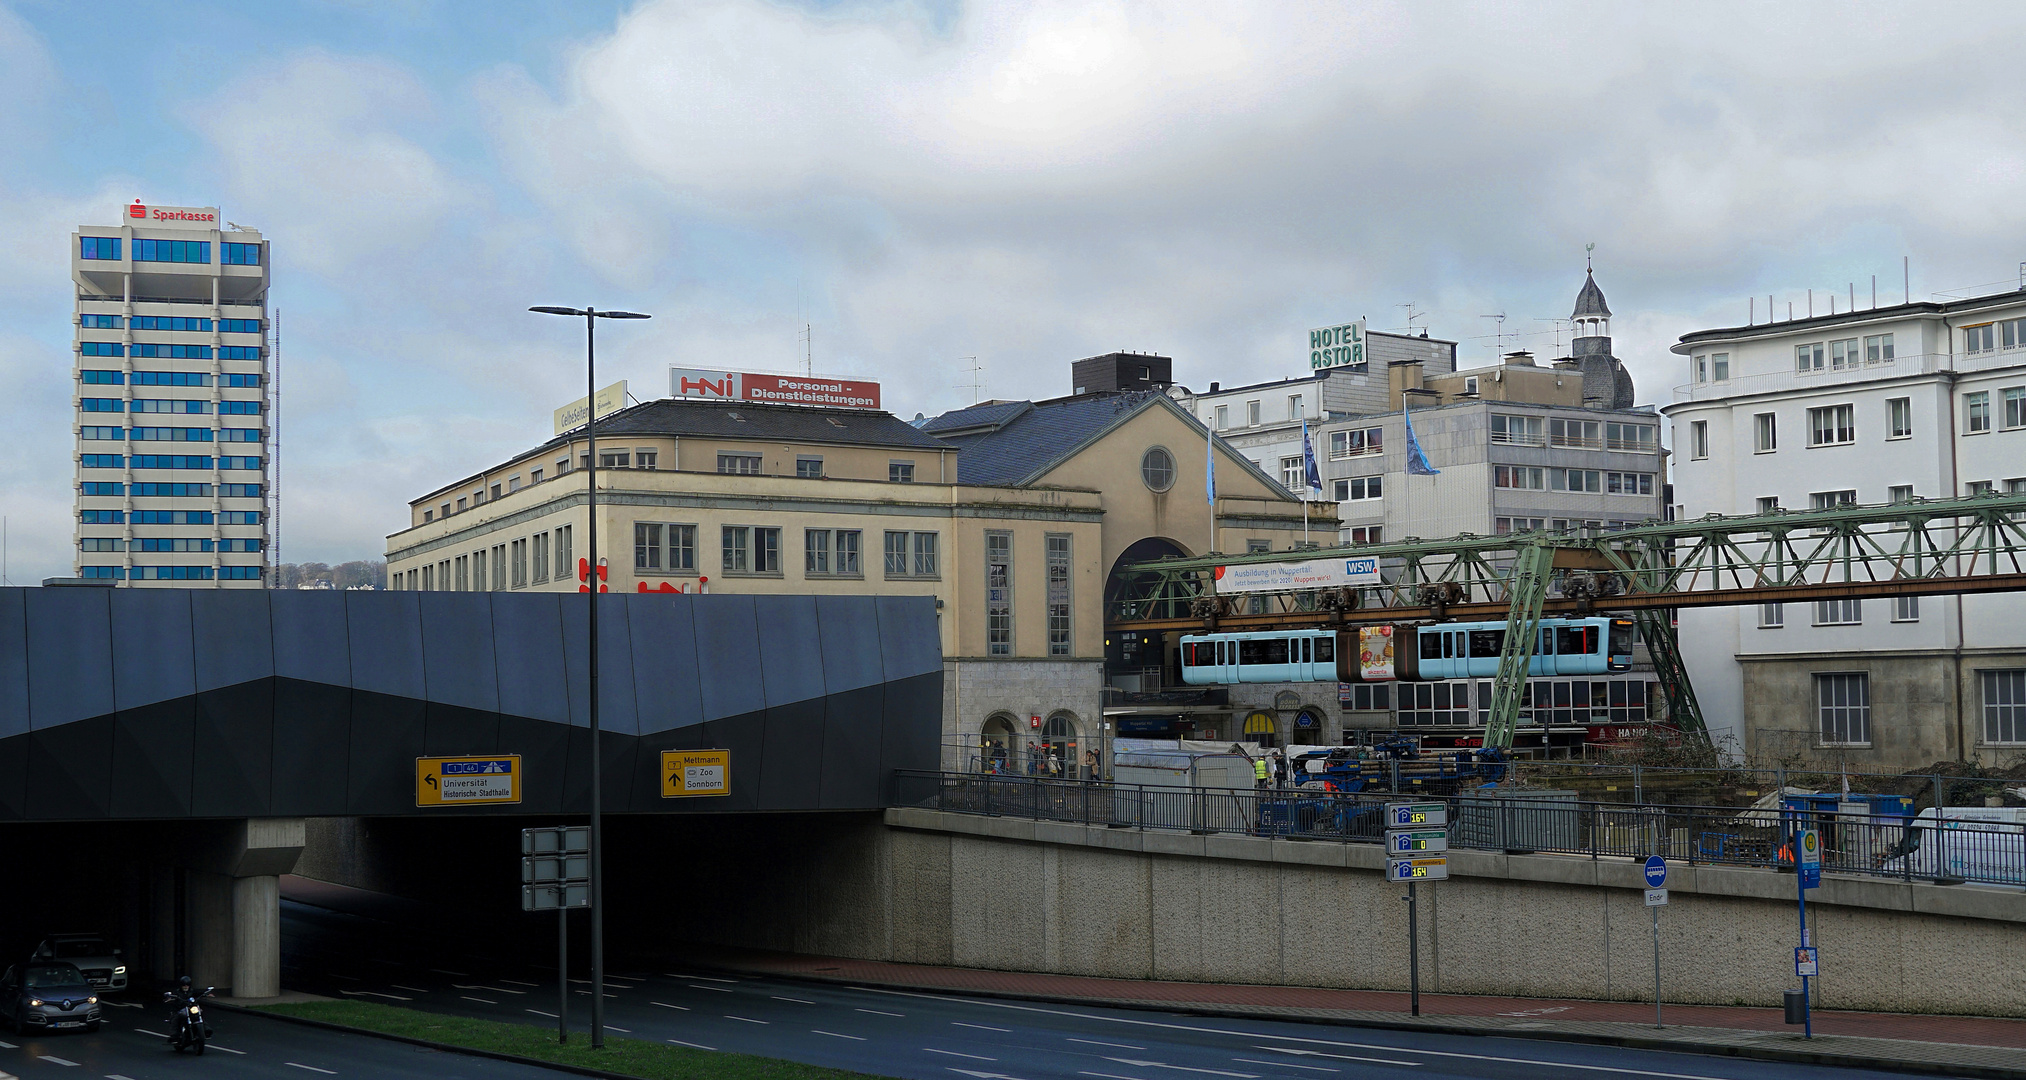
x=735, y=416
x=834, y=422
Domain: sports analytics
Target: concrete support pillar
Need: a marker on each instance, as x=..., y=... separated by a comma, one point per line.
x=231, y=904
x=207, y=928
x=256, y=936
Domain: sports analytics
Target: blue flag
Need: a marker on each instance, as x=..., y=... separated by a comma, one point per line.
x=1417, y=462
x=1310, y=472
x=1210, y=469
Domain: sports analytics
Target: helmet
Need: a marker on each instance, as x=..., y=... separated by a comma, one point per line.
x=184, y=981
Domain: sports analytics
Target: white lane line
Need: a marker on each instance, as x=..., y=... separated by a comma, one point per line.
x=719, y=989
x=980, y=1027
x=587, y=993
x=880, y=1012
x=374, y=993
x=1286, y=1065
x=1094, y=1042
x=697, y=1046
x=1345, y=1057
x=227, y=1049
x=1108, y=1076
x=666, y=1005
x=1186, y=1068
x=798, y=1001
x=835, y=1035
x=438, y=971
x=143, y=1031
x=419, y=990
x=11, y=1046
x=517, y=982
x=539, y=1012
x=312, y=1068
x=54, y=1060
x=347, y=978
x=490, y=989
x=485, y=1001
x=704, y=978
x=111, y=1076
x=953, y=1053
x=1240, y=1033
x=620, y=1030
x=610, y=975
x=748, y=1020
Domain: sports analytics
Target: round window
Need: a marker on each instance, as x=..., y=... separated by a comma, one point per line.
x=1158, y=469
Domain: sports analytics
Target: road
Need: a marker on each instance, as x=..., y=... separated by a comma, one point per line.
x=130, y=1047
x=924, y=1036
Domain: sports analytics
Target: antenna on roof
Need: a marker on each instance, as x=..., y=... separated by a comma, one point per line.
x=1411, y=316
x=977, y=383
x=1498, y=333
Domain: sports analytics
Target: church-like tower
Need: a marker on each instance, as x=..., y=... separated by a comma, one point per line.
x=1606, y=383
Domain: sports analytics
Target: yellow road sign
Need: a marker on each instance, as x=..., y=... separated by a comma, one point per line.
x=467, y=781
x=695, y=772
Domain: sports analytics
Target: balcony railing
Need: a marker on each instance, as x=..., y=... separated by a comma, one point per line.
x=1898, y=366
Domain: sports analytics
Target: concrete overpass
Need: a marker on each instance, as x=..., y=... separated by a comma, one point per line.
x=161, y=751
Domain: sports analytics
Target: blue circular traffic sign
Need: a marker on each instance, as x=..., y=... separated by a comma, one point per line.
x=1656, y=871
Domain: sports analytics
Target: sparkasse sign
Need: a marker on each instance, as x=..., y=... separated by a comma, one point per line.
x=178, y=217
x=1337, y=346
x=763, y=388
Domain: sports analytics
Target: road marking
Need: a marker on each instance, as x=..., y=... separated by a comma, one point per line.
x=1290, y=1038
x=124, y=1004
x=1094, y=1042
x=798, y=1001
x=719, y=989
x=312, y=1068
x=666, y=1005
x=620, y=1030
x=419, y=990
x=438, y=971
x=880, y=1012
x=375, y=993
x=1109, y=1076
x=517, y=982
x=835, y=1035
x=1286, y=1065
x=587, y=993
x=981, y=1027
x=539, y=1012
x=953, y=1053
x=143, y=1031
x=109, y=1076
x=487, y=1001
x=54, y=1060
x=705, y=978
x=11, y=1046
x=1182, y=1068
x=492, y=989
x=748, y=1020
x=1003, y=1076
x=611, y=975
x=698, y=1046
x=227, y=1049
x=1346, y=1057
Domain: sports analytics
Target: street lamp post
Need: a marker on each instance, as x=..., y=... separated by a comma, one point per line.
x=591, y=317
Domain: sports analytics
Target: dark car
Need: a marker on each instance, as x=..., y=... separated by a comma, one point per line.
x=103, y=966
x=48, y=996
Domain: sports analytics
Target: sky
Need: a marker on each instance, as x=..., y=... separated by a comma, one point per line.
x=922, y=183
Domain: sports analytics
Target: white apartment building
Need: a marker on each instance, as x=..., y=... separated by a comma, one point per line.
x=1918, y=400
x=171, y=391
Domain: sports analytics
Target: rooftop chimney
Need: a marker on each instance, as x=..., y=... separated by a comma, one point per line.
x=1520, y=358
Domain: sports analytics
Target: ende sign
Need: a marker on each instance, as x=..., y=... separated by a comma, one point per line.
x=772, y=389
x=1337, y=346
x=1313, y=574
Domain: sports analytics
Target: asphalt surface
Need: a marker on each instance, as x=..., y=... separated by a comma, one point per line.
x=925, y=1036
x=131, y=1046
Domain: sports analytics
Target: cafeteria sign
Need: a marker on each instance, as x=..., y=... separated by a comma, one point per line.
x=1313, y=574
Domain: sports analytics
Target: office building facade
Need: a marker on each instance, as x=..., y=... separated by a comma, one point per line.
x=1893, y=404
x=171, y=396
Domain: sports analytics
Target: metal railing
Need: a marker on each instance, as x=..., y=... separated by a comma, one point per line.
x=1946, y=850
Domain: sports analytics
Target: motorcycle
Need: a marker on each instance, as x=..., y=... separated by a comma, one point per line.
x=191, y=1028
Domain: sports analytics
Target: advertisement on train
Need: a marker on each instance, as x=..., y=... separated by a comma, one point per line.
x=1313, y=574
x=1375, y=653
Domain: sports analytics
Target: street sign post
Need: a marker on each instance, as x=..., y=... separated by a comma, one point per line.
x=1656, y=898
x=468, y=781
x=556, y=876
x=1807, y=875
x=1809, y=865
x=686, y=773
x=1417, y=835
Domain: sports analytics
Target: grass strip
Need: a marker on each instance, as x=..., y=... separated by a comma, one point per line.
x=629, y=1057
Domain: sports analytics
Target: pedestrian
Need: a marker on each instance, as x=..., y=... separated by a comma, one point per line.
x=1279, y=769
x=1259, y=771
x=1054, y=763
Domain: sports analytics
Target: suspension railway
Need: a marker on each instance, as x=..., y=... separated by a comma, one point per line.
x=1932, y=547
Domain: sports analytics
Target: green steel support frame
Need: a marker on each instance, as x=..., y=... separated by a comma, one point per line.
x=1529, y=591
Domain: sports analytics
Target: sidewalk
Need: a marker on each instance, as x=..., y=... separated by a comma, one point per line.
x=1948, y=1045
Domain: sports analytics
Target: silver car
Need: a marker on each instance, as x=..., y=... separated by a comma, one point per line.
x=48, y=996
x=103, y=966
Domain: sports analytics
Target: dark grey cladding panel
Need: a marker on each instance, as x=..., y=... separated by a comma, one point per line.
x=913, y=726
x=615, y=665
x=70, y=768
x=233, y=748
x=791, y=776
x=909, y=643
x=386, y=738
x=545, y=753
x=791, y=649
x=234, y=636
x=14, y=753
x=385, y=631
x=665, y=690
x=457, y=651
x=527, y=639
x=69, y=655
x=851, y=748
x=745, y=737
x=13, y=669
x=153, y=656
x=849, y=626
x=617, y=765
x=728, y=656
x=152, y=758
x=312, y=747
x=310, y=641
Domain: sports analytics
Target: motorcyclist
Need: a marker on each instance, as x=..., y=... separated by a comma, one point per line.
x=188, y=1016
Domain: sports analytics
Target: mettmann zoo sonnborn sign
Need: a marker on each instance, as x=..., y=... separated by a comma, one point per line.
x=1337, y=346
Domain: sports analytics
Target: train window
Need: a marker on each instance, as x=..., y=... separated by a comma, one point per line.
x=1487, y=642
x=1201, y=653
x=1547, y=641
x=1448, y=645
x=1576, y=640
x=1268, y=651
x=1326, y=650
x=1301, y=650
x=1621, y=637
x=1431, y=644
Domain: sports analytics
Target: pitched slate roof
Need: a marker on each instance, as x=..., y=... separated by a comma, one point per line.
x=745, y=420
x=1590, y=301
x=988, y=416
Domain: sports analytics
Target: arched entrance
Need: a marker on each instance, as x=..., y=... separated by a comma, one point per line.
x=1308, y=727
x=1261, y=729
x=1134, y=660
x=995, y=744
x=1061, y=753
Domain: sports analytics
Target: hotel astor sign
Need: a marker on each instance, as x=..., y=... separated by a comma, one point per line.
x=760, y=388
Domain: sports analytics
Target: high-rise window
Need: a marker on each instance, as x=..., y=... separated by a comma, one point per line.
x=478, y=572
x=1772, y=616
x=1843, y=708
x=646, y=546
x=172, y=251
x=239, y=254
x=1808, y=358
x=1832, y=425
x=520, y=563
x=1977, y=412
x=499, y=567
x=809, y=468
x=900, y=472
x=1906, y=609
x=1830, y=500
x=1899, y=493
x=98, y=247
x=1839, y=612
x=1878, y=349
x=1252, y=414
x=736, y=550
x=1058, y=594
x=566, y=560
x=2015, y=406
x=463, y=564
x=1294, y=411
x=1765, y=433
x=999, y=592
x=1844, y=354
x=1223, y=417
x=1720, y=367
x=1292, y=476
x=830, y=552
x=1357, y=441
x=2004, y=705
x=1979, y=339
x=1898, y=418
x=740, y=464
x=1698, y=439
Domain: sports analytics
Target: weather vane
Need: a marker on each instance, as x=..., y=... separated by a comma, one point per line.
x=1587, y=249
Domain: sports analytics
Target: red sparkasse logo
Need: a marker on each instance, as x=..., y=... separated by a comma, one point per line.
x=137, y=210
